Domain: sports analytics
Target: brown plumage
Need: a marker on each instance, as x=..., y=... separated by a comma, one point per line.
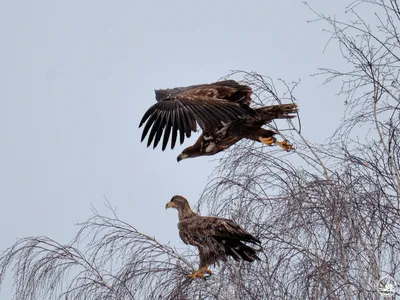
x=222, y=111
x=216, y=238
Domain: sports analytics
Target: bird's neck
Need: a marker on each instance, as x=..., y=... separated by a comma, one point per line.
x=186, y=213
x=194, y=150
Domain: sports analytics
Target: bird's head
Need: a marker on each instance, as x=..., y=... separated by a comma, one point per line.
x=183, y=207
x=178, y=202
x=188, y=153
x=182, y=156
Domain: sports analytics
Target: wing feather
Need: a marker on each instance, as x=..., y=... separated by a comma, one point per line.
x=175, y=127
x=154, y=128
x=186, y=115
x=147, y=114
x=214, y=117
x=181, y=122
x=160, y=128
x=168, y=125
x=204, y=119
x=148, y=125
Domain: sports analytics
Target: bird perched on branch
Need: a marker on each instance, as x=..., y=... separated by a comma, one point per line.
x=222, y=111
x=216, y=238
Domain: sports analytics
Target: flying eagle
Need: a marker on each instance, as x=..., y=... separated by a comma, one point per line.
x=222, y=111
x=216, y=238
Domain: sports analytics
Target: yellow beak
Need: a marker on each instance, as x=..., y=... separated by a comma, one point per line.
x=170, y=204
x=181, y=156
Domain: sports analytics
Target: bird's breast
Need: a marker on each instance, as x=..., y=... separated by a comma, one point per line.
x=210, y=147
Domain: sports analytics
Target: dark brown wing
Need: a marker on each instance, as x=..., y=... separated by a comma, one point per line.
x=180, y=112
x=199, y=228
x=227, y=90
x=217, y=238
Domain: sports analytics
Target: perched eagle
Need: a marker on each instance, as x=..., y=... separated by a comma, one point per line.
x=215, y=238
x=222, y=111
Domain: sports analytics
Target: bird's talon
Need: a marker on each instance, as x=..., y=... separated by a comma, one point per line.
x=196, y=274
x=285, y=145
x=200, y=274
x=269, y=141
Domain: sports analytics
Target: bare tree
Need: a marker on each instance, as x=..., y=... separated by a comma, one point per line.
x=328, y=215
x=331, y=228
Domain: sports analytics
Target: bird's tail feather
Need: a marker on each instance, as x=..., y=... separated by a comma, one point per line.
x=280, y=111
x=240, y=251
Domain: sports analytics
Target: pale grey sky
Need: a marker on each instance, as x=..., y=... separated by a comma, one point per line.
x=76, y=77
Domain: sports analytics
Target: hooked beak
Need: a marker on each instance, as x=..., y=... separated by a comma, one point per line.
x=181, y=156
x=170, y=204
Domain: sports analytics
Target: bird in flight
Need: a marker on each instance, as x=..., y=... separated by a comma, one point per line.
x=222, y=111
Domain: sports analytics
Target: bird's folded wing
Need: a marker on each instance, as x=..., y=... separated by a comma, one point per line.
x=214, y=227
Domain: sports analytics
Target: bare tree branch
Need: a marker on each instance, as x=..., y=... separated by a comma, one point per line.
x=328, y=215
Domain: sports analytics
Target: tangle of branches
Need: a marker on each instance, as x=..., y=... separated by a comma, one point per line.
x=328, y=215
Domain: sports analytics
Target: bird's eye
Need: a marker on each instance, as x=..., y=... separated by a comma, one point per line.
x=172, y=200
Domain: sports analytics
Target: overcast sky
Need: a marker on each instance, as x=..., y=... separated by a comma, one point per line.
x=76, y=77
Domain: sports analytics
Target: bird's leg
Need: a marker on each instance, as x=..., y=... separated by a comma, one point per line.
x=200, y=273
x=268, y=140
x=271, y=140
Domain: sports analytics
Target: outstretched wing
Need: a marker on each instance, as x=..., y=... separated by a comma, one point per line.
x=178, y=110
